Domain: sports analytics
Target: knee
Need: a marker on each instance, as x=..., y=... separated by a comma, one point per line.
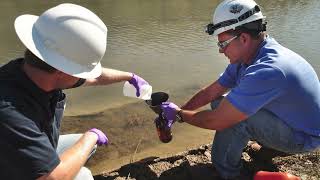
x=235, y=137
x=84, y=174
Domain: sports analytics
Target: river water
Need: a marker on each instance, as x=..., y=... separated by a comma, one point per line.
x=164, y=42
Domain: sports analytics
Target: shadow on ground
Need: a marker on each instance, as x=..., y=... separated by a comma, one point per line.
x=196, y=164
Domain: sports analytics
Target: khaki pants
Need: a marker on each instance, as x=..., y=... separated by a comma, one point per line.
x=65, y=141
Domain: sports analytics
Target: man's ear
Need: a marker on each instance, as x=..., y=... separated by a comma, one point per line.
x=244, y=38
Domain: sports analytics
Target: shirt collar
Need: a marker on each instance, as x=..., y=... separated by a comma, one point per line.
x=26, y=83
x=258, y=55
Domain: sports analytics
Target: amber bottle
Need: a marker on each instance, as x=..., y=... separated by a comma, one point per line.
x=164, y=133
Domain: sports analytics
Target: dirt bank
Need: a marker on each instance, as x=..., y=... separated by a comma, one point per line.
x=129, y=125
x=196, y=164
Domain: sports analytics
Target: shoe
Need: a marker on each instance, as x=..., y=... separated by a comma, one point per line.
x=261, y=153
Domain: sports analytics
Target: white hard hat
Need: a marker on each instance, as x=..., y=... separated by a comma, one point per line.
x=230, y=14
x=68, y=37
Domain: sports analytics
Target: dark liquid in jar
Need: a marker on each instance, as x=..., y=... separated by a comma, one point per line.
x=164, y=133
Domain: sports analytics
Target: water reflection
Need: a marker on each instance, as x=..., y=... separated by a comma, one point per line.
x=163, y=41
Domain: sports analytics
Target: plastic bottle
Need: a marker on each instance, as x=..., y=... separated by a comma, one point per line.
x=164, y=133
x=265, y=175
x=130, y=91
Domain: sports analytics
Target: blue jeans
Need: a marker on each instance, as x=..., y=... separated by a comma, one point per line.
x=66, y=141
x=264, y=127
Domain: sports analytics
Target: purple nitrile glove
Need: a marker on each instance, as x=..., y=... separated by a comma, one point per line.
x=137, y=82
x=102, y=138
x=169, y=111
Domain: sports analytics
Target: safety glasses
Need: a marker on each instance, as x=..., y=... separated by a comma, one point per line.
x=225, y=43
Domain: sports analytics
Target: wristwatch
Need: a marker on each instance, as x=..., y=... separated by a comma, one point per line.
x=179, y=116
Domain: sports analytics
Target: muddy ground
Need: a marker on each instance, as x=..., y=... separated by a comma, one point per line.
x=196, y=164
x=130, y=126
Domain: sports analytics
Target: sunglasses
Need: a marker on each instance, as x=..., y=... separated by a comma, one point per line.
x=224, y=44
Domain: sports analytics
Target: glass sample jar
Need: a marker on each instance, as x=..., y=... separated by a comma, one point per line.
x=164, y=133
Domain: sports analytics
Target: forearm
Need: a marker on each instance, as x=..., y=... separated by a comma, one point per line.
x=73, y=158
x=76, y=156
x=204, y=96
x=202, y=119
x=224, y=116
x=109, y=76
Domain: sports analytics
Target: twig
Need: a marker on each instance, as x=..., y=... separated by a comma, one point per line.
x=135, y=152
x=132, y=157
x=128, y=176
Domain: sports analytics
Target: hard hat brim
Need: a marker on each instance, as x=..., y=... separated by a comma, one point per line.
x=24, y=27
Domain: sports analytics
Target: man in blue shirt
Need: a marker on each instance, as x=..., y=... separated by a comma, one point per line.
x=273, y=93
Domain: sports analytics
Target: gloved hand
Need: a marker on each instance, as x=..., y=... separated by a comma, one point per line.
x=102, y=138
x=137, y=82
x=169, y=112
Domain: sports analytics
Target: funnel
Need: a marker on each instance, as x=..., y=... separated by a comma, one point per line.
x=154, y=103
x=156, y=99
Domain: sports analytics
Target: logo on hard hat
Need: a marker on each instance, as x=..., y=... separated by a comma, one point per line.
x=236, y=8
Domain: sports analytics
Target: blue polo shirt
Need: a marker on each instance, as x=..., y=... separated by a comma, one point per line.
x=280, y=81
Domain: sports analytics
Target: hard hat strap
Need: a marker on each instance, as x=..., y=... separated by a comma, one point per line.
x=249, y=13
x=259, y=26
x=80, y=82
x=212, y=27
